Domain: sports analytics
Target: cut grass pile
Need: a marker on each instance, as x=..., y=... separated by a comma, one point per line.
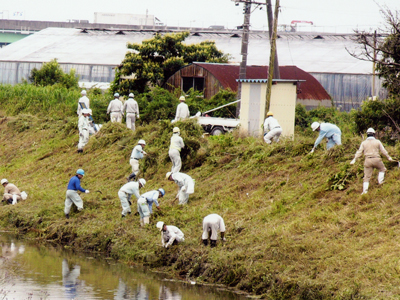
x=297, y=226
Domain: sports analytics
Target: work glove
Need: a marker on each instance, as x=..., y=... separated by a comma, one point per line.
x=87, y=192
x=353, y=161
x=184, y=189
x=391, y=159
x=138, y=117
x=144, y=153
x=312, y=150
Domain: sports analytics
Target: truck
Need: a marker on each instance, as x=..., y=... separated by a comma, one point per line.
x=217, y=126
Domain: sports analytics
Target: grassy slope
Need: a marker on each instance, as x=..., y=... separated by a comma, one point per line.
x=288, y=236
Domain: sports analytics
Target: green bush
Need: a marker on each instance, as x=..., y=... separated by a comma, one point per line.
x=51, y=74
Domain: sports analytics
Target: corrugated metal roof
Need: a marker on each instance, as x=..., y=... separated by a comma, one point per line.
x=106, y=47
x=227, y=75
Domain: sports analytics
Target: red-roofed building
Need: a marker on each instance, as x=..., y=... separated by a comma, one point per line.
x=210, y=78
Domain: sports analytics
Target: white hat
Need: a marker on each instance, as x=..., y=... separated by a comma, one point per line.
x=89, y=111
x=142, y=142
x=142, y=181
x=182, y=98
x=370, y=130
x=131, y=95
x=168, y=174
x=314, y=126
x=85, y=111
x=176, y=129
x=4, y=181
x=83, y=92
x=160, y=225
x=116, y=95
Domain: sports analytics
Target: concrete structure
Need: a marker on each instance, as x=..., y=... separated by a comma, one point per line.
x=253, y=102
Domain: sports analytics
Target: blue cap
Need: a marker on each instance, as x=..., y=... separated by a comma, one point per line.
x=80, y=172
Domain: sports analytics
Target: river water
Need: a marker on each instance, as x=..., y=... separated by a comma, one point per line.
x=37, y=272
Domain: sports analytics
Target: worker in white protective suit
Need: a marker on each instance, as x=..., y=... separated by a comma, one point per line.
x=182, y=110
x=185, y=184
x=175, y=150
x=83, y=102
x=12, y=194
x=83, y=127
x=371, y=148
x=170, y=235
x=329, y=131
x=211, y=225
x=115, y=109
x=125, y=193
x=272, y=128
x=136, y=155
x=131, y=108
x=145, y=205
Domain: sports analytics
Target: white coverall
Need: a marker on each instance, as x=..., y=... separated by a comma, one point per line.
x=185, y=184
x=125, y=193
x=83, y=126
x=170, y=235
x=273, y=130
x=136, y=155
x=85, y=103
x=174, y=152
x=131, y=109
x=182, y=111
x=212, y=223
x=115, y=110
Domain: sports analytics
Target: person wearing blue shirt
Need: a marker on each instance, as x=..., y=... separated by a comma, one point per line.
x=329, y=131
x=74, y=185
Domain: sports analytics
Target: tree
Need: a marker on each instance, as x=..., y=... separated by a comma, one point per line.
x=51, y=73
x=156, y=59
x=383, y=49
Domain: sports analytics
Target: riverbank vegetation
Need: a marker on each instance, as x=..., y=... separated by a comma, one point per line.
x=297, y=226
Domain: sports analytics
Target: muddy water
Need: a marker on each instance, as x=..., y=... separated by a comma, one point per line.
x=32, y=272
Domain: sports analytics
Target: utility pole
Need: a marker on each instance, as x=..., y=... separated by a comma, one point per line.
x=245, y=43
x=272, y=57
x=277, y=74
x=373, y=67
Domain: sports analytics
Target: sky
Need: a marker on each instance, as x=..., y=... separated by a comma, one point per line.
x=338, y=16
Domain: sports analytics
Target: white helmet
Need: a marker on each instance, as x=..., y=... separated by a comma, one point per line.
x=4, y=181
x=142, y=182
x=370, y=130
x=314, y=126
x=168, y=174
x=176, y=129
x=160, y=225
x=182, y=98
x=83, y=92
x=131, y=95
x=85, y=111
x=89, y=111
x=116, y=95
x=142, y=142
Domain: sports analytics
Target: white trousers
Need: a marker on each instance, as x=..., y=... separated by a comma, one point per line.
x=135, y=166
x=72, y=197
x=130, y=121
x=83, y=139
x=175, y=157
x=116, y=117
x=273, y=134
x=123, y=197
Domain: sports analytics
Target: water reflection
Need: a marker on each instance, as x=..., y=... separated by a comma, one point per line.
x=33, y=272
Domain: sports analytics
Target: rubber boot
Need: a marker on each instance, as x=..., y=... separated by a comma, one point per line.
x=132, y=177
x=365, y=188
x=67, y=216
x=146, y=220
x=141, y=223
x=381, y=177
x=213, y=243
x=205, y=242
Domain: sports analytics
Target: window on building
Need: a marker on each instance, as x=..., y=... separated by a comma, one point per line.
x=197, y=83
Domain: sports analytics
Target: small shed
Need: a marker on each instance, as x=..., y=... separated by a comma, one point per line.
x=211, y=77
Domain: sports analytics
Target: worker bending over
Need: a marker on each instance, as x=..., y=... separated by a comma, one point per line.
x=185, y=185
x=211, y=225
x=125, y=193
x=272, y=128
x=170, y=235
x=329, y=131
